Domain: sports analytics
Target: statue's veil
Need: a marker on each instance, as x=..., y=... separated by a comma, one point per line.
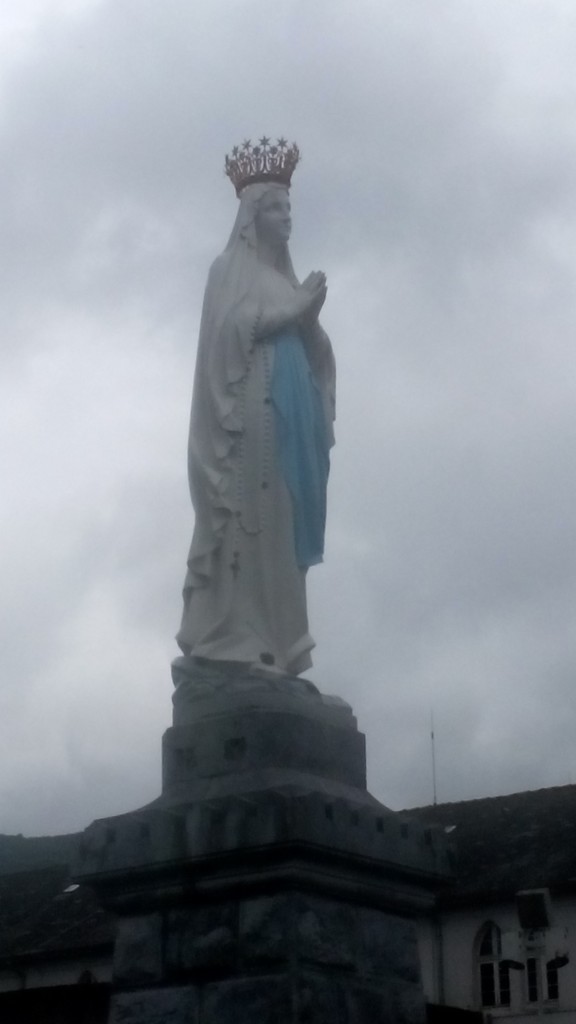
x=241, y=252
x=244, y=230
x=227, y=335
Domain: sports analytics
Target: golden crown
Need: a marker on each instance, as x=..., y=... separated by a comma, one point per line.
x=248, y=164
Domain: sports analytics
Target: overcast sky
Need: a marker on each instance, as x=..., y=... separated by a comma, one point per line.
x=437, y=190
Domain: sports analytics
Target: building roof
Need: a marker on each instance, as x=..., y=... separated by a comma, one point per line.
x=505, y=844
x=42, y=913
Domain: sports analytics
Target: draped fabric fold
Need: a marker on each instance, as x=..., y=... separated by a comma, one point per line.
x=244, y=593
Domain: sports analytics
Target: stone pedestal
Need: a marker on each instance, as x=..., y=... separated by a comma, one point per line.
x=265, y=885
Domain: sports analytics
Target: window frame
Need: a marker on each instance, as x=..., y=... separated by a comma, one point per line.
x=491, y=971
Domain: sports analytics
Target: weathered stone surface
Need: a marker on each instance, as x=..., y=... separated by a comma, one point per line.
x=138, y=949
x=261, y=1000
x=326, y=932
x=155, y=1006
x=201, y=937
x=407, y=1004
x=265, y=932
x=129, y=841
x=261, y=738
x=372, y=1005
x=387, y=945
x=271, y=815
x=321, y=1000
x=206, y=688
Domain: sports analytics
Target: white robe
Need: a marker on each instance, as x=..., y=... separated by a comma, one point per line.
x=244, y=595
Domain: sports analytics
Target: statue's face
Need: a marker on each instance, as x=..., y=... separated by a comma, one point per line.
x=273, y=221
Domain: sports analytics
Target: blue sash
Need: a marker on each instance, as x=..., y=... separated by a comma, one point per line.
x=302, y=443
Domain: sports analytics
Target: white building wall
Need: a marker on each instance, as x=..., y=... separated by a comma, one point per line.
x=449, y=960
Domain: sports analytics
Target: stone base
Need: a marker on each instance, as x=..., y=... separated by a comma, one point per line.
x=288, y=958
x=265, y=884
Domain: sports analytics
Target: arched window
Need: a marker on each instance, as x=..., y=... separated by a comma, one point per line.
x=494, y=972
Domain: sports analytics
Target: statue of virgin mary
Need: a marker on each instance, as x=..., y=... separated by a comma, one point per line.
x=260, y=435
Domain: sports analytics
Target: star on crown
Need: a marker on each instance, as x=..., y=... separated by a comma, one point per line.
x=248, y=164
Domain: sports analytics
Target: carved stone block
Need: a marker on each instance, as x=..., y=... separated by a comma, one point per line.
x=322, y=1000
x=138, y=950
x=265, y=928
x=201, y=938
x=387, y=944
x=263, y=1000
x=150, y=1006
x=326, y=933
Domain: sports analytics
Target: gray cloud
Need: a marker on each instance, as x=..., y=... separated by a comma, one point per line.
x=437, y=191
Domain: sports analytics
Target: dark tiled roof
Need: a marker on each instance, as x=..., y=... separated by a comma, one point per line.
x=507, y=843
x=38, y=917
